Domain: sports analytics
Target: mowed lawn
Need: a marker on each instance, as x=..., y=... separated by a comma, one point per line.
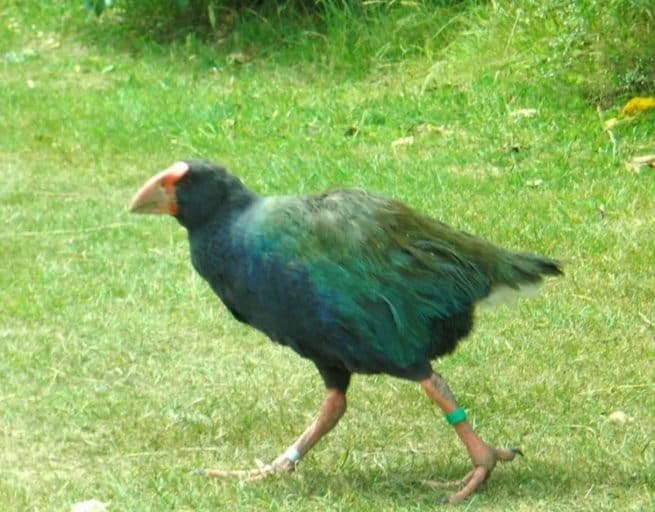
x=120, y=371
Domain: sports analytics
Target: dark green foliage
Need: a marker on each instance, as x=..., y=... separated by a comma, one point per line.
x=304, y=24
x=605, y=48
x=602, y=50
x=618, y=41
x=202, y=14
x=628, y=49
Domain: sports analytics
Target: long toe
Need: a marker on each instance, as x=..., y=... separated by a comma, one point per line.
x=262, y=471
x=449, y=484
x=507, y=454
x=472, y=482
x=475, y=479
x=246, y=474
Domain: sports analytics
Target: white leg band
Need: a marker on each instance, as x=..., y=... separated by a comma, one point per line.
x=293, y=454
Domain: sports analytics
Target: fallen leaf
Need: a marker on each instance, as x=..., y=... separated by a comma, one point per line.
x=90, y=506
x=637, y=105
x=429, y=128
x=237, y=58
x=524, y=112
x=636, y=163
x=50, y=43
x=601, y=211
x=645, y=160
x=313, y=128
x=403, y=141
x=611, y=123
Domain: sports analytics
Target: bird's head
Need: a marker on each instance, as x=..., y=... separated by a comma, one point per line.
x=192, y=191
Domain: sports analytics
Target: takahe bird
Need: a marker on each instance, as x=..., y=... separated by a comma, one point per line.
x=353, y=281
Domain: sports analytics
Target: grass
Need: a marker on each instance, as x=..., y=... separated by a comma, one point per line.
x=120, y=372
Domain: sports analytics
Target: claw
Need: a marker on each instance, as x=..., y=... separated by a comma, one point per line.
x=246, y=474
x=474, y=479
x=507, y=454
x=440, y=484
x=262, y=471
x=479, y=475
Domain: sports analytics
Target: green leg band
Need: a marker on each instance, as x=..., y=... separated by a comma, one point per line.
x=457, y=416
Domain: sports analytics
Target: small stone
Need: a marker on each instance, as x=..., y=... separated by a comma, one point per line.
x=524, y=112
x=90, y=506
x=618, y=418
x=403, y=141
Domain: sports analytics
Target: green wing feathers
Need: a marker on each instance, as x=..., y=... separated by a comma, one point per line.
x=347, y=235
x=386, y=270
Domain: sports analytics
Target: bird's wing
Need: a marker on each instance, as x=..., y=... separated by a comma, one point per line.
x=355, y=234
x=380, y=267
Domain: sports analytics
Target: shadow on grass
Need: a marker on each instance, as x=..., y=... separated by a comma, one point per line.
x=516, y=483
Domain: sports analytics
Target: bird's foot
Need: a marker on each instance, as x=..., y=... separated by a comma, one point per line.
x=484, y=461
x=281, y=465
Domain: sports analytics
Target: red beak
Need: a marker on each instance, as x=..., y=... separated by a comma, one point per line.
x=157, y=195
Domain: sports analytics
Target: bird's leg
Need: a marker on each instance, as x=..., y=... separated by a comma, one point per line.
x=484, y=456
x=332, y=409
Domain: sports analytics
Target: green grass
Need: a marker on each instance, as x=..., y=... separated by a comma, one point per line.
x=120, y=372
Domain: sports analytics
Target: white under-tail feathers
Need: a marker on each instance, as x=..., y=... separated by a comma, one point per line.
x=503, y=294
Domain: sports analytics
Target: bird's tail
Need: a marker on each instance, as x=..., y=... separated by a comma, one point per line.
x=520, y=274
x=530, y=267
